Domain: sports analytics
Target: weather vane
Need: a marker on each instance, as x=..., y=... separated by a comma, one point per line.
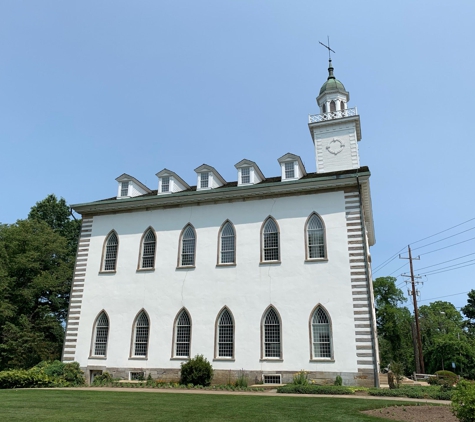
x=328, y=47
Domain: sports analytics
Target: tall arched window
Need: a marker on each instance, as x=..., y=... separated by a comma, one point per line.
x=227, y=244
x=270, y=241
x=149, y=242
x=225, y=335
x=271, y=335
x=101, y=334
x=187, y=247
x=324, y=107
x=183, y=334
x=315, y=237
x=332, y=106
x=321, y=334
x=342, y=105
x=141, y=330
x=110, y=252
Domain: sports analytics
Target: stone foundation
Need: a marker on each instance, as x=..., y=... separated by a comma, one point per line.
x=363, y=378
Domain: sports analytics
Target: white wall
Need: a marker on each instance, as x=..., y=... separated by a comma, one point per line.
x=294, y=287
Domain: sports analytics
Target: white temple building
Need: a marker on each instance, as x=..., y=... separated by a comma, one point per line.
x=268, y=275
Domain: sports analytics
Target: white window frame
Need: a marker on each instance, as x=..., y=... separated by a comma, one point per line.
x=181, y=251
x=142, y=254
x=95, y=329
x=220, y=244
x=124, y=187
x=287, y=170
x=264, y=240
x=106, y=250
x=206, y=179
x=176, y=332
x=328, y=328
x=248, y=176
x=165, y=181
x=133, y=351
x=265, y=339
x=218, y=336
x=308, y=244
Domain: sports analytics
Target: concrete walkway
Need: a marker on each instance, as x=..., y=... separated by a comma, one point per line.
x=269, y=393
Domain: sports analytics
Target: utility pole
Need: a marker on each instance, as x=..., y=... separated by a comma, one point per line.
x=418, y=343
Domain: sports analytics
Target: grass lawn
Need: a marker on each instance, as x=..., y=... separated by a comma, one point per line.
x=74, y=405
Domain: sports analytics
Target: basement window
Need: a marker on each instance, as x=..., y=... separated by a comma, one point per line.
x=272, y=379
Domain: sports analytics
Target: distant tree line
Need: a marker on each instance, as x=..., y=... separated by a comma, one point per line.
x=37, y=258
x=448, y=335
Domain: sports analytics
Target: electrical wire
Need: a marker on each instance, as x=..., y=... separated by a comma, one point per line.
x=392, y=258
x=444, y=271
x=443, y=231
x=448, y=266
x=445, y=238
x=445, y=247
x=444, y=262
x=402, y=266
x=441, y=297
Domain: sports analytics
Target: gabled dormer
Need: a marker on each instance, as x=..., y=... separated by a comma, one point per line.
x=208, y=178
x=129, y=187
x=291, y=167
x=170, y=182
x=248, y=173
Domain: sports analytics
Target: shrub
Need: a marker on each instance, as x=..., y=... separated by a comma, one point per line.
x=197, y=371
x=73, y=375
x=338, y=381
x=102, y=379
x=445, y=378
x=22, y=378
x=241, y=381
x=413, y=392
x=314, y=389
x=396, y=373
x=301, y=378
x=463, y=401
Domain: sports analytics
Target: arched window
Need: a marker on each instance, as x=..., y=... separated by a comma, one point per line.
x=324, y=107
x=271, y=335
x=183, y=335
x=100, y=333
x=110, y=252
x=141, y=330
x=321, y=334
x=270, y=241
x=332, y=105
x=225, y=335
x=315, y=236
x=342, y=105
x=227, y=244
x=149, y=242
x=187, y=247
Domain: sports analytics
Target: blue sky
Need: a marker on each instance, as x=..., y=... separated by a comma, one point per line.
x=93, y=89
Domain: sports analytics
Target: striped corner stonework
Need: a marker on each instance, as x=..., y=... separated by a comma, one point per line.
x=359, y=284
x=77, y=290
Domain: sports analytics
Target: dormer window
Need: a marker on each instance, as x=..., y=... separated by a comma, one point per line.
x=290, y=170
x=166, y=184
x=246, y=175
x=124, y=189
x=130, y=187
x=204, y=180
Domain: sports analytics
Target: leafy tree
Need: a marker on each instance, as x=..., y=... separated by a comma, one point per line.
x=469, y=311
x=36, y=269
x=393, y=323
x=444, y=339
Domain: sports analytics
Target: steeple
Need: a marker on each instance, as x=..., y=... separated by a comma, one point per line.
x=336, y=130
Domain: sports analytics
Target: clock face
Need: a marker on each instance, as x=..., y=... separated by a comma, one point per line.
x=335, y=146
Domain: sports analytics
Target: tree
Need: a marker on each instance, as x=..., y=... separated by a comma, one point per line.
x=36, y=269
x=469, y=312
x=444, y=339
x=393, y=323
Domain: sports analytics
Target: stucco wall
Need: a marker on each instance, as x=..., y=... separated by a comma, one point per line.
x=294, y=287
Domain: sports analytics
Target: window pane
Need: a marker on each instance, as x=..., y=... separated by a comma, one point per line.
x=183, y=335
x=321, y=334
x=188, y=247
x=227, y=244
x=272, y=335
x=124, y=189
x=165, y=184
x=204, y=180
x=102, y=330
x=225, y=335
x=148, y=252
x=315, y=238
x=141, y=335
x=289, y=170
x=111, y=253
x=271, y=241
x=245, y=175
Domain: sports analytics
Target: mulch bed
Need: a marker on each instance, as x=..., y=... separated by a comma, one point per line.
x=415, y=413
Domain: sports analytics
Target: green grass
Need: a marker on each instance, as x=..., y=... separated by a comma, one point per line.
x=76, y=405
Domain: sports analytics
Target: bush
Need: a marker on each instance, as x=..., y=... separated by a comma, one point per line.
x=314, y=389
x=102, y=379
x=416, y=392
x=300, y=378
x=197, y=371
x=241, y=381
x=463, y=401
x=23, y=378
x=338, y=381
x=444, y=378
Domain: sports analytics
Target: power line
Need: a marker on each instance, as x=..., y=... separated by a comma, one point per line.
x=445, y=238
x=444, y=262
x=392, y=258
x=448, y=266
x=443, y=231
x=402, y=266
x=445, y=247
x=441, y=297
x=438, y=272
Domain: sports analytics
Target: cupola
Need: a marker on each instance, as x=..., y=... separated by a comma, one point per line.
x=333, y=95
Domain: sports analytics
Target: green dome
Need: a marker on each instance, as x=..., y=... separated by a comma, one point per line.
x=332, y=85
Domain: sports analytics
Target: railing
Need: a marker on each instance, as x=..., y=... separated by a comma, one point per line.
x=331, y=115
